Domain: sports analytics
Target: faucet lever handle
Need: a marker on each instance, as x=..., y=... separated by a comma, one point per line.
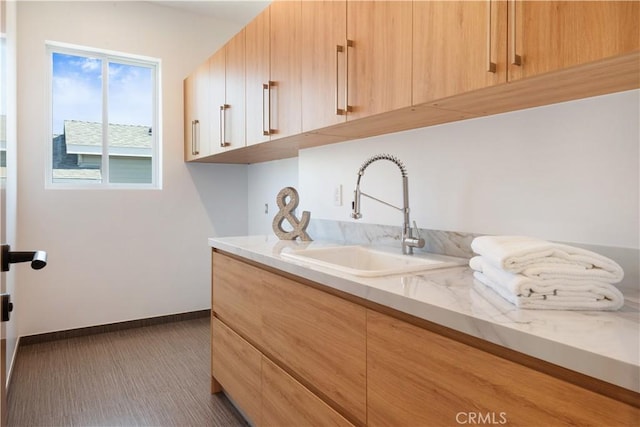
x=420, y=239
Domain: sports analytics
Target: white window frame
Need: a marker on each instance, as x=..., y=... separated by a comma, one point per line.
x=156, y=142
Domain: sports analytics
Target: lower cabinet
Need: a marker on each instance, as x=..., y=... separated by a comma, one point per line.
x=416, y=377
x=305, y=357
x=236, y=365
x=320, y=337
x=287, y=403
x=266, y=394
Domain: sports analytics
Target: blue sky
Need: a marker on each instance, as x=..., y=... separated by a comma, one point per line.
x=77, y=91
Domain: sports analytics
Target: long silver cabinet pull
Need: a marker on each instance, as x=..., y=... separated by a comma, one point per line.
x=223, y=125
x=491, y=66
x=515, y=58
x=266, y=108
x=339, y=111
x=347, y=107
x=194, y=130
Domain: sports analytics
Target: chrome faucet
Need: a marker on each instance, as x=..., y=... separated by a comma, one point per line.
x=408, y=241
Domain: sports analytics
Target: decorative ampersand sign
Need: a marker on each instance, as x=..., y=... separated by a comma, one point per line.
x=299, y=226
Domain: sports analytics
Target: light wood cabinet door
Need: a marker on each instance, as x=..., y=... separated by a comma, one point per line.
x=286, y=85
x=287, y=403
x=417, y=377
x=458, y=46
x=236, y=365
x=320, y=337
x=257, y=56
x=552, y=35
x=216, y=93
x=197, y=118
x=379, y=61
x=234, y=107
x=190, y=120
x=237, y=296
x=324, y=34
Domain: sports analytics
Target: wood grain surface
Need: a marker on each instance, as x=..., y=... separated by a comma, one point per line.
x=417, y=377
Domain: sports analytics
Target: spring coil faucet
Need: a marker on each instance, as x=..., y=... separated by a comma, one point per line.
x=408, y=241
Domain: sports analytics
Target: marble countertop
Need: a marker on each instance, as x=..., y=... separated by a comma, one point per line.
x=604, y=345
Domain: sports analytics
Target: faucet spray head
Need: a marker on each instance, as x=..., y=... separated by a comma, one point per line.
x=355, y=205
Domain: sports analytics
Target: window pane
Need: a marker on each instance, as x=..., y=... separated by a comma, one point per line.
x=77, y=118
x=130, y=123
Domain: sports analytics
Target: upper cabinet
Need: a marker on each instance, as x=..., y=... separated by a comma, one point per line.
x=308, y=73
x=463, y=46
x=324, y=37
x=378, y=57
x=227, y=96
x=197, y=116
x=233, y=108
x=457, y=47
x=356, y=60
x=548, y=36
x=214, y=103
x=273, y=73
x=257, y=56
x=217, y=101
x=286, y=85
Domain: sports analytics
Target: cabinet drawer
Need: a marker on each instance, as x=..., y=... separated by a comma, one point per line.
x=417, y=377
x=321, y=338
x=285, y=402
x=236, y=365
x=237, y=296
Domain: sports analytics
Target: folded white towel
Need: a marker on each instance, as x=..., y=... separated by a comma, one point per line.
x=521, y=285
x=545, y=260
x=603, y=297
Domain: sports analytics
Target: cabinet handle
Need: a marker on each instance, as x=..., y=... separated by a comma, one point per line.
x=347, y=107
x=491, y=66
x=515, y=58
x=266, y=111
x=223, y=126
x=339, y=111
x=194, y=145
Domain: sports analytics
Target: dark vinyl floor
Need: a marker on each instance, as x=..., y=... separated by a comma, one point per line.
x=150, y=376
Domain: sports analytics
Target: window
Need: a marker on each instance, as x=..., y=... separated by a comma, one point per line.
x=104, y=119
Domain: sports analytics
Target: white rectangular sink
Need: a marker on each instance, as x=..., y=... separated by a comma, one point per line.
x=367, y=262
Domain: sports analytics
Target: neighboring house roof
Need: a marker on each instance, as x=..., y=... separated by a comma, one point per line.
x=125, y=140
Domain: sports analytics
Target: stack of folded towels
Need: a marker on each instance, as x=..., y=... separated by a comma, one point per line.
x=534, y=273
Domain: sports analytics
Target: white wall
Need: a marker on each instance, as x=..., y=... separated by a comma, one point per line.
x=265, y=182
x=565, y=172
x=119, y=255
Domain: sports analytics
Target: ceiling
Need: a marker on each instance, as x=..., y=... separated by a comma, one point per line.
x=238, y=11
